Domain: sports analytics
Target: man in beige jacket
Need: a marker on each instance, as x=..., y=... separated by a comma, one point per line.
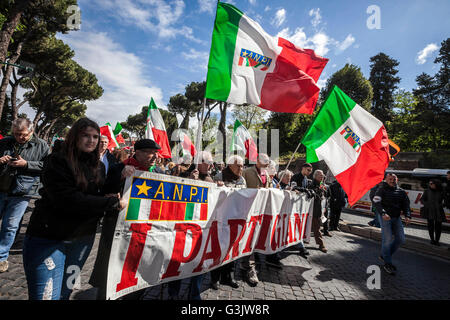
x=256, y=177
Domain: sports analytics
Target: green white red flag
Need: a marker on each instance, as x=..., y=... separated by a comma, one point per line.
x=156, y=130
x=352, y=142
x=243, y=141
x=186, y=144
x=246, y=65
x=107, y=130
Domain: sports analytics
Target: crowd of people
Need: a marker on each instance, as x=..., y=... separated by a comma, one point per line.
x=81, y=186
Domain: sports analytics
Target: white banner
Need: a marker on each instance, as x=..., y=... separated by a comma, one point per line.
x=174, y=228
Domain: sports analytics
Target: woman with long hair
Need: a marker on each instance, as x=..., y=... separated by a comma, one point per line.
x=433, y=210
x=62, y=227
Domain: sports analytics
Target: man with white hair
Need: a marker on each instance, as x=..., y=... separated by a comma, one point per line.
x=321, y=193
x=105, y=156
x=21, y=162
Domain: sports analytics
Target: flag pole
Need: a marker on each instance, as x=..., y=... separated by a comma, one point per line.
x=298, y=146
x=198, y=143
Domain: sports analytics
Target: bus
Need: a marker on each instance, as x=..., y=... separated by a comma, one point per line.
x=414, y=183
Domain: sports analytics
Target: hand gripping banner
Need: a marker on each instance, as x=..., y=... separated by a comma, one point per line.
x=174, y=228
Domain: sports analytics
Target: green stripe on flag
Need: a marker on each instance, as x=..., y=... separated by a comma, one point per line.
x=133, y=209
x=189, y=211
x=226, y=27
x=334, y=112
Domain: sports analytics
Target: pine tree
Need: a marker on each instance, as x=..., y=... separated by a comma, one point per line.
x=384, y=83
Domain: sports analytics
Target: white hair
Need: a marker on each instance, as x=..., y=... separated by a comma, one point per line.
x=204, y=155
x=235, y=159
x=22, y=123
x=316, y=173
x=285, y=172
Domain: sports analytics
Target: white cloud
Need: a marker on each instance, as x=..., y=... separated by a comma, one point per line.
x=280, y=17
x=199, y=60
x=267, y=8
x=120, y=73
x=342, y=46
x=319, y=42
x=252, y=2
x=317, y=18
x=207, y=5
x=423, y=54
x=156, y=16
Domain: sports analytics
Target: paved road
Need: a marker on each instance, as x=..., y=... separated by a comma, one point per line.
x=341, y=274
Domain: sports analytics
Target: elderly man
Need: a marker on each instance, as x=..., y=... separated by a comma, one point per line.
x=231, y=176
x=105, y=156
x=321, y=195
x=285, y=176
x=21, y=162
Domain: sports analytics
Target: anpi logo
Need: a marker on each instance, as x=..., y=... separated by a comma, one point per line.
x=352, y=138
x=253, y=59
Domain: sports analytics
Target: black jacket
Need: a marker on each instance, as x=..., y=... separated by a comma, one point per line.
x=65, y=212
x=391, y=201
x=34, y=151
x=320, y=193
x=337, y=194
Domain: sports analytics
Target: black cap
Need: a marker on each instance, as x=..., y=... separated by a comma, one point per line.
x=146, y=144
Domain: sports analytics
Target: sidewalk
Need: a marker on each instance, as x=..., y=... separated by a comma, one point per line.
x=417, y=237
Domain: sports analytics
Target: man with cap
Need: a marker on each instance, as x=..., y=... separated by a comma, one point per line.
x=144, y=159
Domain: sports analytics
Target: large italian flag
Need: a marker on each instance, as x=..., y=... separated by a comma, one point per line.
x=352, y=142
x=243, y=141
x=246, y=65
x=156, y=130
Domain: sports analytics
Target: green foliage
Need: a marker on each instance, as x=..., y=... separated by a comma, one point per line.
x=350, y=80
x=251, y=116
x=384, y=83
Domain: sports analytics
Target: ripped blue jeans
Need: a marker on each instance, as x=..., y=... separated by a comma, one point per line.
x=53, y=267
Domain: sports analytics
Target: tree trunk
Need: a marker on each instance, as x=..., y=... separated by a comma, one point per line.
x=185, y=123
x=48, y=129
x=7, y=76
x=9, y=26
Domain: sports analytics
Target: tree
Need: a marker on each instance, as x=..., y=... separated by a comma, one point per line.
x=251, y=116
x=28, y=20
x=350, y=80
x=137, y=123
x=443, y=75
x=384, y=83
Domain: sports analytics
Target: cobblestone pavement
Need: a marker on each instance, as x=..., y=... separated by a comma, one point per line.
x=340, y=274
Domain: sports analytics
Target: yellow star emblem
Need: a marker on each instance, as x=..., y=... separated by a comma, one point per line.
x=143, y=188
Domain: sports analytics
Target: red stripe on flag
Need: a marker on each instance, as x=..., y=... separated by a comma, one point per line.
x=173, y=210
x=251, y=150
x=368, y=170
x=155, y=209
x=204, y=211
x=163, y=141
x=293, y=80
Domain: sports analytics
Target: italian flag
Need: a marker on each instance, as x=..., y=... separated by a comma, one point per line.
x=352, y=142
x=107, y=130
x=246, y=65
x=186, y=144
x=243, y=141
x=156, y=130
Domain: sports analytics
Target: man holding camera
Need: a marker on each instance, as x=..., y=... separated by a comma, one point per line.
x=21, y=162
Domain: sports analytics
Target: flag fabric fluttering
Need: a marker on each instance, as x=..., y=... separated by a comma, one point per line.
x=156, y=130
x=243, y=141
x=118, y=129
x=107, y=130
x=246, y=65
x=352, y=142
x=186, y=144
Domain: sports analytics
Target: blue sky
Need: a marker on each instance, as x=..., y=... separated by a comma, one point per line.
x=152, y=48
